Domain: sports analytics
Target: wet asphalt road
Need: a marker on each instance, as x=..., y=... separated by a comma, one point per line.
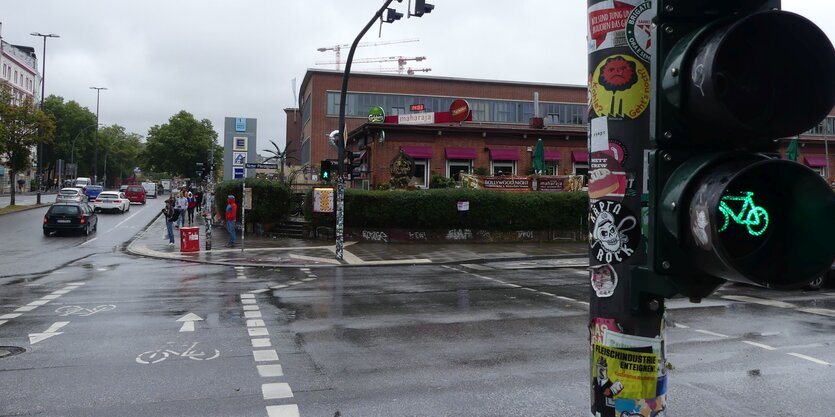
x=102, y=338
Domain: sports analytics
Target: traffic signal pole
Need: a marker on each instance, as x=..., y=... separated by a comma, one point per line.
x=626, y=329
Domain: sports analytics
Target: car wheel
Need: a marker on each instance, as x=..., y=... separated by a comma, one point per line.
x=86, y=230
x=816, y=284
x=46, y=233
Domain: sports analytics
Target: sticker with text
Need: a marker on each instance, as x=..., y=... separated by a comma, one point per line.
x=620, y=87
x=615, y=234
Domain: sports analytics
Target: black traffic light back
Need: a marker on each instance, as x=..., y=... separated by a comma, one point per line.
x=730, y=78
x=392, y=15
x=422, y=7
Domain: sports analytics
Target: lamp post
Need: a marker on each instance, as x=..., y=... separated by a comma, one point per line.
x=96, y=153
x=43, y=85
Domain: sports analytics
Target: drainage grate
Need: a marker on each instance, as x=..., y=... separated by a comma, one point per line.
x=10, y=351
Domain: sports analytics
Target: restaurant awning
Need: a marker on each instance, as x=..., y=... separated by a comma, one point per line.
x=418, y=152
x=460, y=153
x=553, y=155
x=504, y=154
x=580, y=156
x=815, y=161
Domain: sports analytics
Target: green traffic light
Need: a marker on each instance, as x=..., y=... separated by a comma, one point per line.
x=752, y=216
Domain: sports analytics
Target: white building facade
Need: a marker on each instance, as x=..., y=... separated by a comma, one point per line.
x=19, y=66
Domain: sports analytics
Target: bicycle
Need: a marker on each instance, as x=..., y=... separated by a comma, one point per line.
x=752, y=216
x=155, y=356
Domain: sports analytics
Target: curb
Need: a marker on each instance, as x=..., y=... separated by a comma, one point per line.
x=28, y=207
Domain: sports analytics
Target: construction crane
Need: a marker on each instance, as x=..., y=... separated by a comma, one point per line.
x=409, y=71
x=401, y=61
x=337, y=49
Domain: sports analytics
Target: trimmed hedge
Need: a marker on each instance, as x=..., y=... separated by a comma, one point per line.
x=271, y=201
x=437, y=209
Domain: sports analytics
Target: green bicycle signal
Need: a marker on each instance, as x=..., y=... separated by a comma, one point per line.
x=752, y=216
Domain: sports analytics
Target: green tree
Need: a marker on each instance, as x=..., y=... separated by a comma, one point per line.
x=22, y=127
x=177, y=146
x=281, y=157
x=120, y=152
x=74, y=135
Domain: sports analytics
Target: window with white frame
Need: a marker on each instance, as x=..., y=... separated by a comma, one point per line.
x=503, y=167
x=552, y=168
x=454, y=167
x=422, y=173
x=582, y=169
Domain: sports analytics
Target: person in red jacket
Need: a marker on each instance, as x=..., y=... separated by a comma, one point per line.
x=231, y=216
x=191, y=204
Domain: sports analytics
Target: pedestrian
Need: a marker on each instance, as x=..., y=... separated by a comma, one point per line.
x=191, y=204
x=170, y=217
x=199, y=197
x=231, y=215
x=20, y=182
x=181, y=206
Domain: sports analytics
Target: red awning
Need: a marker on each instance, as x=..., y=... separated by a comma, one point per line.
x=460, y=153
x=504, y=154
x=580, y=156
x=553, y=155
x=815, y=161
x=418, y=152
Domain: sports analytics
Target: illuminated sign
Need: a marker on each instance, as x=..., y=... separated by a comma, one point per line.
x=376, y=115
x=750, y=215
x=417, y=107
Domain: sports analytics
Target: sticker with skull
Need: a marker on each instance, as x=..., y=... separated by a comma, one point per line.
x=614, y=235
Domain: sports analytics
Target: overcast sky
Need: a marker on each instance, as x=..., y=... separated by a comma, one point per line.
x=237, y=58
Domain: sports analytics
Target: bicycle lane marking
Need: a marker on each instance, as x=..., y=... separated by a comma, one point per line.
x=266, y=360
x=4, y=318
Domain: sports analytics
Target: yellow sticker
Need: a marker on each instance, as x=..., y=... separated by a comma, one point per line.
x=620, y=87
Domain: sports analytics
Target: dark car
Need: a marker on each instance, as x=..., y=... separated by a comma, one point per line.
x=135, y=193
x=93, y=191
x=76, y=217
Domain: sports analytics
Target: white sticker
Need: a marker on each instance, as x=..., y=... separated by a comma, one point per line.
x=599, y=134
x=604, y=280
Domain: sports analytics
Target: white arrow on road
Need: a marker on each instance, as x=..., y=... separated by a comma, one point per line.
x=189, y=320
x=51, y=331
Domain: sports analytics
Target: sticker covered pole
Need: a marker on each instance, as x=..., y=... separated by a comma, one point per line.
x=626, y=331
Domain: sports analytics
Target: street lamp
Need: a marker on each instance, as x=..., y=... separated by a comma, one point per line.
x=43, y=85
x=96, y=153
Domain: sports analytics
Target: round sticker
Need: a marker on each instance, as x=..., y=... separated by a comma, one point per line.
x=639, y=30
x=615, y=232
x=620, y=87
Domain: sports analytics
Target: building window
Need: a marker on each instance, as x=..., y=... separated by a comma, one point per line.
x=553, y=118
x=454, y=167
x=503, y=167
x=398, y=110
x=421, y=173
x=582, y=169
x=552, y=168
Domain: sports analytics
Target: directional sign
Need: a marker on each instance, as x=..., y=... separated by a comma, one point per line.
x=250, y=165
x=189, y=319
x=51, y=331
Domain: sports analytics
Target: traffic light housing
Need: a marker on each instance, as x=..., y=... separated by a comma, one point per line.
x=730, y=78
x=325, y=169
x=422, y=7
x=392, y=15
x=353, y=160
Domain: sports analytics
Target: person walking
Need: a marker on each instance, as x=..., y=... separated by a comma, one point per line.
x=181, y=206
x=170, y=217
x=231, y=216
x=191, y=204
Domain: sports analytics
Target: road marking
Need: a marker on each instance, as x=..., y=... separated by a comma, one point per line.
x=61, y=292
x=308, y=279
x=252, y=314
x=269, y=371
x=255, y=323
x=818, y=311
x=10, y=316
x=761, y=301
x=189, y=319
x=809, y=358
x=477, y=267
x=529, y=289
x=759, y=345
x=250, y=308
x=809, y=346
x=289, y=410
x=26, y=308
x=51, y=331
x=38, y=303
x=278, y=287
x=304, y=269
x=707, y=332
x=248, y=301
x=120, y=223
x=2, y=322
x=585, y=303
x=258, y=331
x=680, y=326
x=89, y=241
x=265, y=355
x=247, y=296
x=315, y=259
x=349, y=257
x=262, y=290
x=566, y=298
x=50, y=297
x=276, y=390
x=261, y=342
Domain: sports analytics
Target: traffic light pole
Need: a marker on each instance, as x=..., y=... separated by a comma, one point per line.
x=628, y=373
x=341, y=136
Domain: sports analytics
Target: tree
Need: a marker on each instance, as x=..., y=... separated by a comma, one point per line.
x=74, y=135
x=280, y=156
x=121, y=151
x=22, y=127
x=177, y=146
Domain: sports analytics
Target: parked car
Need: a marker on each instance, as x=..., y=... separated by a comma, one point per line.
x=70, y=194
x=82, y=182
x=150, y=189
x=111, y=201
x=78, y=217
x=136, y=194
x=92, y=191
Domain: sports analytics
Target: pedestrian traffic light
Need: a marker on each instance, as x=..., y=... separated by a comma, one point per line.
x=422, y=7
x=353, y=160
x=325, y=168
x=392, y=15
x=730, y=78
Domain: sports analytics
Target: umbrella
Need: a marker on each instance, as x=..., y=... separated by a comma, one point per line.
x=539, y=157
x=791, y=151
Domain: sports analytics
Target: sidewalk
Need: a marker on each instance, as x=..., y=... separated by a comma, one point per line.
x=277, y=252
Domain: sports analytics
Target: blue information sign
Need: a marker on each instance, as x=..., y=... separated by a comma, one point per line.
x=240, y=124
x=238, y=173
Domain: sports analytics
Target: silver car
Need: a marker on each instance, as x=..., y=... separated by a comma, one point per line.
x=68, y=194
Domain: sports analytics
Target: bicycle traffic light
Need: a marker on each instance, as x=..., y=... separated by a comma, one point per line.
x=730, y=78
x=325, y=168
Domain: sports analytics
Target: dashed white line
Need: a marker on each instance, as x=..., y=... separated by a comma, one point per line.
x=252, y=314
x=809, y=358
x=759, y=345
x=268, y=371
x=262, y=290
x=276, y=390
x=243, y=296
x=250, y=308
x=50, y=297
x=265, y=355
x=255, y=323
x=566, y=298
x=261, y=342
x=61, y=292
x=258, y=331
x=38, y=303
x=290, y=410
x=10, y=316
x=247, y=301
x=708, y=332
x=2, y=322
x=819, y=311
x=278, y=287
x=26, y=308
x=91, y=240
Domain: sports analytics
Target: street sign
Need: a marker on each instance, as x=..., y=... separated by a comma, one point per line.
x=253, y=165
x=248, y=198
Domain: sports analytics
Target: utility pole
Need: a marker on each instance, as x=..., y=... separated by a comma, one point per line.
x=43, y=89
x=96, y=152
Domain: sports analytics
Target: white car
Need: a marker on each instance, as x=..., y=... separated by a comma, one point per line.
x=111, y=201
x=70, y=194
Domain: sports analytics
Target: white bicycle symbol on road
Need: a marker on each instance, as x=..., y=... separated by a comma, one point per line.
x=81, y=311
x=159, y=355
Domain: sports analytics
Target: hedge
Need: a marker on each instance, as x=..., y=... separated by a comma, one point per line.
x=271, y=201
x=438, y=209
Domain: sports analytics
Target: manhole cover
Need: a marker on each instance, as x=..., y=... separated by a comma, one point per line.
x=10, y=351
